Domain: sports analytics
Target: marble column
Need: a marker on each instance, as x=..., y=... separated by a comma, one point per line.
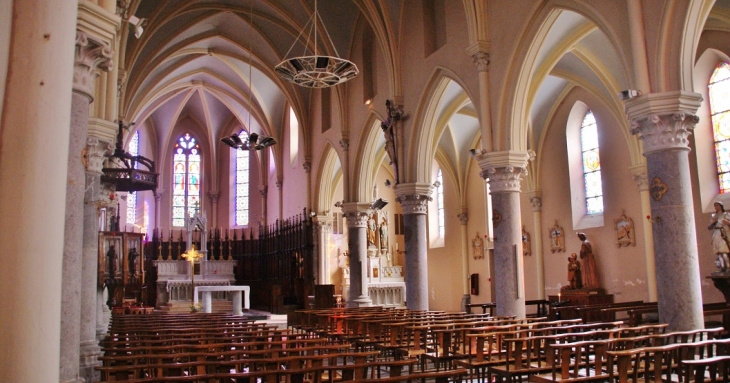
x=90, y=55
x=414, y=199
x=504, y=171
x=357, y=218
x=96, y=196
x=34, y=138
x=536, y=201
x=664, y=122
x=639, y=173
x=323, y=227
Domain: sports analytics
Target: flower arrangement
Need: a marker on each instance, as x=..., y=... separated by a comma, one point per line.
x=194, y=308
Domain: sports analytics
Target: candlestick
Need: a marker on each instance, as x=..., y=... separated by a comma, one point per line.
x=559, y=297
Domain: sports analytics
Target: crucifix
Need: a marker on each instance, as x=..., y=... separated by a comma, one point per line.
x=192, y=256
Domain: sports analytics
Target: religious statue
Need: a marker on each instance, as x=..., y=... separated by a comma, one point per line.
x=590, y=270
x=384, y=234
x=574, y=274
x=477, y=245
x=132, y=259
x=720, y=226
x=557, y=238
x=388, y=126
x=371, y=229
x=526, y=242
x=113, y=260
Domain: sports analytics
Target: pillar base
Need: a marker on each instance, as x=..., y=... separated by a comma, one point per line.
x=362, y=301
x=90, y=353
x=465, y=300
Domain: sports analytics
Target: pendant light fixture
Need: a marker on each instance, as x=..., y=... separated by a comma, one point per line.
x=315, y=71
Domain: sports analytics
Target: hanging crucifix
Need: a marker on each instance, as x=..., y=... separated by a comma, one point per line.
x=388, y=126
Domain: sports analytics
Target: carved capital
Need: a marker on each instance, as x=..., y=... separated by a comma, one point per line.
x=213, y=196
x=665, y=131
x=536, y=203
x=356, y=218
x=463, y=217
x=279, y=184
x=307, y=166
x=95, y=153
x=481, y=60
x=264, y=190
x=345, y=143
x=158, y=195
x=414, y=203
x=641, y=178
x=91, y=55
x=505, y=179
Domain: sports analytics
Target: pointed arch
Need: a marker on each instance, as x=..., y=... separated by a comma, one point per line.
x=324, y=182
x=364, y=167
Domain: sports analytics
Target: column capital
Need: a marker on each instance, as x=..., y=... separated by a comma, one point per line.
x=264, y=190
x=91, y=55
x=356, y=213
x=413, y=197
x=158, y=194
x=463, y=216
x=535, y=197
x=213, y=195
x=279, y=184
x=307, y=166
x=664, y=120
x=481, y=60
x=345, y=144
x=95, y=153
x=504, y=170
x=323, y=221
x=639, y=173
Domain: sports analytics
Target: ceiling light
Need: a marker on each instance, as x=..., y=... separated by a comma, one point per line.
x=315, y=71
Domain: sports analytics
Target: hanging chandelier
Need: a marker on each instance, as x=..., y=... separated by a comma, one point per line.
x=315, y=71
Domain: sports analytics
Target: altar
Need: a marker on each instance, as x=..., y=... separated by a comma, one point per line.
x=175, y=285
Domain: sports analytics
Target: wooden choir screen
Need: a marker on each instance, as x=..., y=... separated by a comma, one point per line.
x=276, y=260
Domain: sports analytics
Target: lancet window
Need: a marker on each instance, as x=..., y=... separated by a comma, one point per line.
x=591, y=165
x=719, y=94
x=132, y=197
x=243, y=162
x=186, y=179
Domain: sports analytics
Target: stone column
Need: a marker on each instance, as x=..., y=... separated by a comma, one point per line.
x=158, y=205
x=280, y=188
x=213, y=195
x=323, y=229
x=414, y=200
x=264, y=191
x=466, y=298
x=664, y=121
x=481, y=60
x=639, y=173
x=504, y=171
x=357, y=218
x=34, y=138
x=96, y=196
x=90, y=55
x=536, y=200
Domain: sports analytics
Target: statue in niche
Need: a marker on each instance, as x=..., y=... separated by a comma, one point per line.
x=371, y=230
x=477, y=245
x=113, y=260
x=384, y=234
x=132, y=259
x=557, y=238
x=590, y=270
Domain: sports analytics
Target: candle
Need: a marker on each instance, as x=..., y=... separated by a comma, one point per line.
x=559, y=297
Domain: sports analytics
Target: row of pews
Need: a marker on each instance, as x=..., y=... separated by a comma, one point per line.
x=494, y=349
x=394, y=345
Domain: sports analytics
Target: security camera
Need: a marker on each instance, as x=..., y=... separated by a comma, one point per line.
x=629, y=94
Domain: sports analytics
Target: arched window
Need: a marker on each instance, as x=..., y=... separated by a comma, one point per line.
x=591, y=165
x=440, y=202
x=242, y=182
x=186, y=179
x=719, y=94
x=132, y=197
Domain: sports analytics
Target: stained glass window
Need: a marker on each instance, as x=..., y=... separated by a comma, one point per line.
x=186, y=179
x=440, y=202
x=132, y=197
x=591, y=165
x=719, y=92
x=242, y=186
